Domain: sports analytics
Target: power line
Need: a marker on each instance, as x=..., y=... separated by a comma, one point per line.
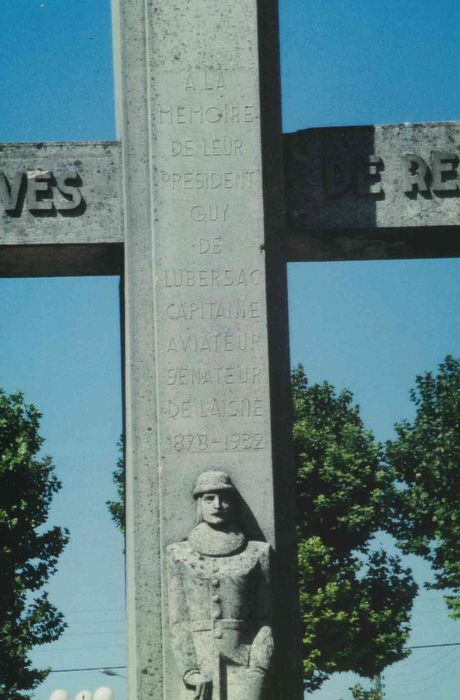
x=91, y=634
x=76, y=611
x=101, y=622
x=61, y=650
x=413, y=687
x=95, y=668
x=444, y=686
x=432, y=646
x=416, y=674
x=117, y=668
x=415, y=663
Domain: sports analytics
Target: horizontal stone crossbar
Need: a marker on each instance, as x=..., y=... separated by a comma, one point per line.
x=60, y=194
x=373, y=192
x=370, y=192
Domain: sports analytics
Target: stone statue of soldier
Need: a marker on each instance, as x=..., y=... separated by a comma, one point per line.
x=219, y=600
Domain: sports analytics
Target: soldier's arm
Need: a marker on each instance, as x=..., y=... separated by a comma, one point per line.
x=262, y=646
x=264, y=589
x=181, y=638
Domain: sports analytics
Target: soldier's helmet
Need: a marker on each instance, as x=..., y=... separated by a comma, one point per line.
x=212, y=481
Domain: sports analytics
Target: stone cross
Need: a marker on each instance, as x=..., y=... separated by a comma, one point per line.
x=188, y=205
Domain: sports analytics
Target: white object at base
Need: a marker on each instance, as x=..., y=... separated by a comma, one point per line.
x=104, y=694
x=59, y=695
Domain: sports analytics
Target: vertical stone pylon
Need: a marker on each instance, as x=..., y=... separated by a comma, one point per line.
x=206, y=363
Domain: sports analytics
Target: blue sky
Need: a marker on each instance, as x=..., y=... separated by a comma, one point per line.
x=367, y=326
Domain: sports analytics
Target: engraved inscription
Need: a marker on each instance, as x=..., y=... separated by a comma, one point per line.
x=210, y=213
x=206, y=147
x=216, y=408
x=213, y=342
x=218, y=114
x=205, y=80
x=369, y=179
x=211, y=245
x=445, y=172
x=202, y=442
x=210, y=180
x=212, y=310
x=213, y=376
x=365, y=175
x=415, y=174
x=212, y=278
x=443, y=177
x=42, y=193
x=230, y=408
x=362, y=175
x=220, y=133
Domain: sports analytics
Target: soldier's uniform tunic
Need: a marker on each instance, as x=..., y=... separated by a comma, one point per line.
x=219, y=609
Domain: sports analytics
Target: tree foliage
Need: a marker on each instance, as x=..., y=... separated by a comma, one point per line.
x=28, y=551
x=359, y=693
x=117, y=507
x=425, y=457
x=355, y=601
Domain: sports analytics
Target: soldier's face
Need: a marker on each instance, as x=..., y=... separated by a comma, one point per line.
x=216, y=508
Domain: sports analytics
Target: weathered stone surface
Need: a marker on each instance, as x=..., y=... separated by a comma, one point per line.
x=60, y=193
x=373, y=177
x=201, y=254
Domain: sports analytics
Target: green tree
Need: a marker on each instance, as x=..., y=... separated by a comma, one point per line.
x=355, y=600
x=28, y=552
x=425, y=458
x=117, y=507
x=359, y=693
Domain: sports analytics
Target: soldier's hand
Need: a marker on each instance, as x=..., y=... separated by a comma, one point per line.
x=203, y=687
